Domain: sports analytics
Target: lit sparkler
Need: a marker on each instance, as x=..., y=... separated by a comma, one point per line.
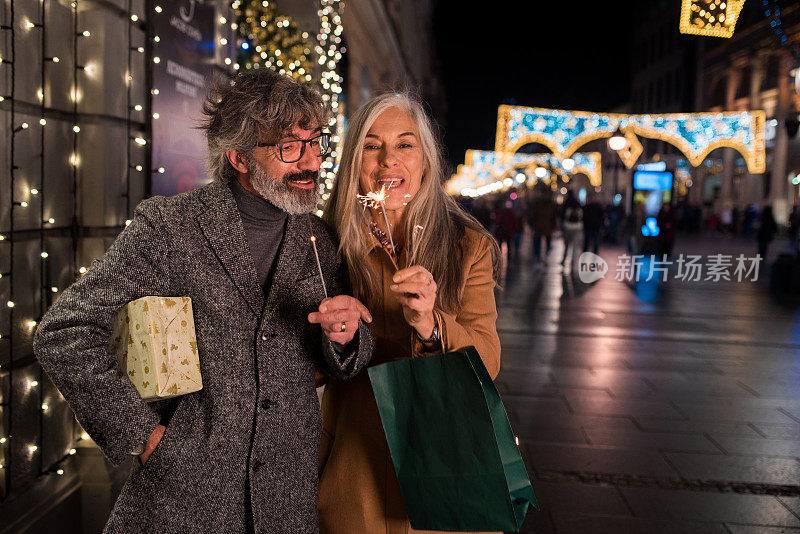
x=416, y=236
x=377, y=200
x=316, y=255
x=373, y=199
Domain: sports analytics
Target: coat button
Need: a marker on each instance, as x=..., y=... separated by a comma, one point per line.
x=257, y=465
x=266, y=403
x=264, y=335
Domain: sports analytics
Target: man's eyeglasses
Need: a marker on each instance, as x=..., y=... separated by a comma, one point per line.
x=291, y=151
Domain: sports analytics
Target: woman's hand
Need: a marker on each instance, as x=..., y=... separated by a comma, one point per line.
x=416, y=292
x=338, y=316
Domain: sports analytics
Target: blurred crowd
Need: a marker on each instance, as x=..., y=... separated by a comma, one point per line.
x=588, y=225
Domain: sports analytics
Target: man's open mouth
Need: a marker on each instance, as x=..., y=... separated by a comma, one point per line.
x=302, y=180
x=305, y=183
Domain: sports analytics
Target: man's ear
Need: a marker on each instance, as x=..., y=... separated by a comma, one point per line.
x=237, y=161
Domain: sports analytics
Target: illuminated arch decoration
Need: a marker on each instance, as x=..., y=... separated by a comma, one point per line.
x=487, y=171
x=711, y=18
x=584, y=163
x=695, y=134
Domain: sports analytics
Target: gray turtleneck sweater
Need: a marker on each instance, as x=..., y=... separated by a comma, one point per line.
x=264, y=225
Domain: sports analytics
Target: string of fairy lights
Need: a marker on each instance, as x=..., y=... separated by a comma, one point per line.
x=6, y=399
x=24, y=192
x=330, y=51
x=310, y=58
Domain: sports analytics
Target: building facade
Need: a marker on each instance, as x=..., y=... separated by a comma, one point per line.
x=674, y=73
x=751, y=71
x=81, y=145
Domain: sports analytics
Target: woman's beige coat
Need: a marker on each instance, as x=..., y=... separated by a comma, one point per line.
x=358, y=491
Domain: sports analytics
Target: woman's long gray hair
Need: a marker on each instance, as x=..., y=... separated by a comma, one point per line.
x=439, y=244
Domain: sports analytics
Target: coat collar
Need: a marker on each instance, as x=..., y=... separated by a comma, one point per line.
x=221, y=224
x=294, y=257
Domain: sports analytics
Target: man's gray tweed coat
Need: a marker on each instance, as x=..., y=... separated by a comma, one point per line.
x=257, y=418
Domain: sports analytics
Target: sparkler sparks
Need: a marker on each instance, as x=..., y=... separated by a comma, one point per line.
x=373, y=199
x=377, y=200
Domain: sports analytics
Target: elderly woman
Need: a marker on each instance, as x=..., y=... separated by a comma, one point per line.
x=428, y=285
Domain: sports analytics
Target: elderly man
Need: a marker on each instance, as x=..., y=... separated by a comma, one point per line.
x=240, y=455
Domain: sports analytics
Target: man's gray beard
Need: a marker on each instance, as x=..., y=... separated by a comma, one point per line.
x=280, y=193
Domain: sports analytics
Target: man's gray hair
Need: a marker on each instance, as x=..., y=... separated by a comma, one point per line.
x=255, y=106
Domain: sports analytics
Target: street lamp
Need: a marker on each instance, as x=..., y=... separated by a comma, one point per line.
x=617, y=141
x=568, y=164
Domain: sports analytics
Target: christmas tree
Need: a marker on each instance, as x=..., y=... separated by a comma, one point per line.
x=268, y=39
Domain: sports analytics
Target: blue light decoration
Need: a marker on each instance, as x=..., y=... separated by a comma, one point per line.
x=652, y=180
x=772, y=10
x=695, y=134
x=487, y=171
x=655, y=166
x=650, y=227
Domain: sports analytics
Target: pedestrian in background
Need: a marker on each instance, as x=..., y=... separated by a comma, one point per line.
x=506, y=226
x=633, y=228
x=794, y=226
x=542, y=218
x=750, y=218
x=666, y=223
x=767, y=229
x=726, y=220
x=592, y=224
x=571, y=225
x=518, y=205
x=481, y=210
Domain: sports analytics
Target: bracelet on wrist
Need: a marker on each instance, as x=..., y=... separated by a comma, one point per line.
x=434, y=338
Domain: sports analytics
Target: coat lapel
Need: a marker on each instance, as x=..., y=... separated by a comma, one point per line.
x=221, y=224
x=293, y=259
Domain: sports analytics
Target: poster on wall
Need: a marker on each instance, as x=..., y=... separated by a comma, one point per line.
x=183, y=53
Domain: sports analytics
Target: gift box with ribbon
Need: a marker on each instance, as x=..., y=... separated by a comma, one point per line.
x=154, y=340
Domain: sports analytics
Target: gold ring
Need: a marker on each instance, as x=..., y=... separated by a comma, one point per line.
x=344, y=326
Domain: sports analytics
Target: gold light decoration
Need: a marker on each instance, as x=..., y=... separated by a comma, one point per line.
x=694, y=134
x=486, y=171
x=711, y=18
x=632, y=149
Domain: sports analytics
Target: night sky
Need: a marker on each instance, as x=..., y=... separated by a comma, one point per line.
x=565, y=55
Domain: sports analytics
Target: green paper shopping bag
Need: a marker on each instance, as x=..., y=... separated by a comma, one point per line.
x=453, y=449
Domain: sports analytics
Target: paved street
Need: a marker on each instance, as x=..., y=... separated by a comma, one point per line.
x=650, y=408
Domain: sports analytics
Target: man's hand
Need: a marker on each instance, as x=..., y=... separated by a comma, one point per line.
x=338, y=316
x=152, y=442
